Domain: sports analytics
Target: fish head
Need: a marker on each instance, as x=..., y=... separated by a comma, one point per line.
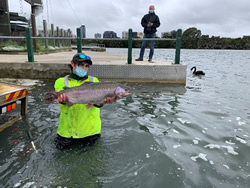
x=120, y=92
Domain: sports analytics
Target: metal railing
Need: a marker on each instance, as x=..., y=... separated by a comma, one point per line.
x=30, y=52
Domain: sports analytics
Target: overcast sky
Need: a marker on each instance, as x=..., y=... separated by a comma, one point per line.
x=224, y=18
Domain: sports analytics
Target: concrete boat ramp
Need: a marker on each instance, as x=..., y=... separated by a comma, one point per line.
x=106, y=66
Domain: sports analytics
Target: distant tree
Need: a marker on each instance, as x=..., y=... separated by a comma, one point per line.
x=171, y=34
x=246, y=42
x=165, y=35
x=190, y=38
x=236, y=43
x=204, y=42
x=215, y=42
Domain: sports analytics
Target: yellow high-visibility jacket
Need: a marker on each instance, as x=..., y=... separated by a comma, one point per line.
x=76, y=121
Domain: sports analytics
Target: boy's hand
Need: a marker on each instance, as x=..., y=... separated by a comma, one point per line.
x=63, y=98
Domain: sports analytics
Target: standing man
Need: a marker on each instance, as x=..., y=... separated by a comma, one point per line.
x=149, y=22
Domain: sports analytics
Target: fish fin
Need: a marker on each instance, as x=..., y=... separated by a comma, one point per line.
x=65, y=87
x=88, y=106
x=126, y=94
x=50, y=97
x=69, y=103
x=88, y=83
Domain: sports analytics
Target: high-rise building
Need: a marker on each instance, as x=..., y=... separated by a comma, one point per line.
x=134, y=35
x=4, y=18
x=83, y=31
x=109, y=34
x=18, y=24
x=69, y=32
x=125, y=35
x=98, y=35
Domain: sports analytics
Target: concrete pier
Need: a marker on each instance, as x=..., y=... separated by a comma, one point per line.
x=106, y=66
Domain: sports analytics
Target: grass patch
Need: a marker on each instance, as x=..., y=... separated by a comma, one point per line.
x=11, y=45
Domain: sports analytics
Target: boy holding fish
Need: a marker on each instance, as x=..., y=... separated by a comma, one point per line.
x=80, y=97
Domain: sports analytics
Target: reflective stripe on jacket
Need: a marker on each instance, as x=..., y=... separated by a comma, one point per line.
x=76, y=121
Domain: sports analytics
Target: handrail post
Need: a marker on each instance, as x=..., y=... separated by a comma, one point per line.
x=29, y=45
x=130, y=46
x=79, y=40
x=178, y=46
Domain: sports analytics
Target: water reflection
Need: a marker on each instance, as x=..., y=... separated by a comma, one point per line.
x=174, y=103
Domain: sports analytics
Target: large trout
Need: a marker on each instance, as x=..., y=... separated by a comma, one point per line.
x=90, y=93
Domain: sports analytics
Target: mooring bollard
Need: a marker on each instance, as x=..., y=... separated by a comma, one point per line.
x=178, y=46
x=130, y=46
x=29, y=45
x=79, y=40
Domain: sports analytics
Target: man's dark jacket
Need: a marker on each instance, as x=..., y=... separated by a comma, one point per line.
x=150, y=18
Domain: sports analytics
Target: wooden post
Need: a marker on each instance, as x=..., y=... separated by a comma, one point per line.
x=33, y=24
x=62, y=36
x=52, y=35
x=45, y=33
x=65, y=40
x=57, y=35
x=69, y=39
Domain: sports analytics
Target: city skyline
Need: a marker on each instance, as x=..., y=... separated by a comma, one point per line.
x=214, y=18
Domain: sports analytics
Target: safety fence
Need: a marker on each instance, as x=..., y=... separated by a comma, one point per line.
x=66, y=41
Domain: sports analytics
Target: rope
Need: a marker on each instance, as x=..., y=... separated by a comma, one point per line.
x=74, y=12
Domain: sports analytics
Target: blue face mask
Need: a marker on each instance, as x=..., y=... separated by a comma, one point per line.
x=151, y=11
x=80, y=72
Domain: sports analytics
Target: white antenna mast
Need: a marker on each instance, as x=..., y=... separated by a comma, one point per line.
x=43, y=9
x=47, y=10
x=21, y=7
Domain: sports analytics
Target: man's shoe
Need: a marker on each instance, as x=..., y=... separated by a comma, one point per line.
x=139, y=59
x=150, y=61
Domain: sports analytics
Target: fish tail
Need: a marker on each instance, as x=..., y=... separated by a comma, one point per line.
x=50, y=97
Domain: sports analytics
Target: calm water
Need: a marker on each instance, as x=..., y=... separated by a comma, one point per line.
x=162, y=136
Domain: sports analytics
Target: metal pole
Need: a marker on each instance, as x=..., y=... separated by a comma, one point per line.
x=178, y=46
x=29, y=45
x=130, y=46
x=79, y=40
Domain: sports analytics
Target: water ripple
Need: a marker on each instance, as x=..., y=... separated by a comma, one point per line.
x=162, y=136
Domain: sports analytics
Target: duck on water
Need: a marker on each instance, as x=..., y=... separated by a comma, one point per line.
x=197, y=72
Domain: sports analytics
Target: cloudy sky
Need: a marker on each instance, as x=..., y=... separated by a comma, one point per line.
x=224, y=18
